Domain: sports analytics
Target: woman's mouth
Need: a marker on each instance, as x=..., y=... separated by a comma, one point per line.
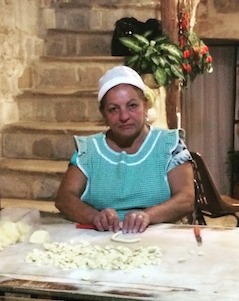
x=125, y=126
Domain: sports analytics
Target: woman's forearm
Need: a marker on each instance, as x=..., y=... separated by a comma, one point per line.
x=68, y=197
x=182, y=198
x=172, y=210
x=74, y=209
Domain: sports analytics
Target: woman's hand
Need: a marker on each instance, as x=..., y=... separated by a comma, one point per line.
x=106, y=219
x=135, y=221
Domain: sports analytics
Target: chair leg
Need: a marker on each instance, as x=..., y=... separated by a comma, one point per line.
x=199, y=218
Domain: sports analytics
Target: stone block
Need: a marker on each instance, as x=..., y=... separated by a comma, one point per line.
x=25, y=81
x=72, y=19
x=21, y=188
x=78, y=44
x=29, y=185
x=38, y=146
x=45, y=188
x=55, y=45
x=29, y=47
x=225, y=6
x=49, y=18
x=95, y=45
x=78, y=107
x=43, y=141
x=96, y=22
x=0, y=147
x=73, y=74
x=103, y=17
x=89, y=75
x=53, y=77
x=8, y=111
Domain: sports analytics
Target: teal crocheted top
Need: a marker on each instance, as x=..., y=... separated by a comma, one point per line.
x=126, y=181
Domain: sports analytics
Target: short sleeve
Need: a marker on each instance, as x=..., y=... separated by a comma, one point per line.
x=74, y=158
x=80, y=157
x=180, y=155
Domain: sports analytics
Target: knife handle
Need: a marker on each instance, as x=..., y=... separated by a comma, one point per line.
x=84, y=226
x=197, y=231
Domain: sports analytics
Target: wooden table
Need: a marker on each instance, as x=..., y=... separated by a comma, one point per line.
x=187, y=271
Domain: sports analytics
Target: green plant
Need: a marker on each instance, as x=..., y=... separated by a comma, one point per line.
x=159, y=57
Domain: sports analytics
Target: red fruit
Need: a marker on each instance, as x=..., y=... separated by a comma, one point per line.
x=204, y=49
x=209, y=59
x=186, y=54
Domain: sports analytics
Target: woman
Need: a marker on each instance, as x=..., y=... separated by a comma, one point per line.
x=133, y=175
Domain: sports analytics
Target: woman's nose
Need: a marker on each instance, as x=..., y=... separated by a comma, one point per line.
x=124, y=115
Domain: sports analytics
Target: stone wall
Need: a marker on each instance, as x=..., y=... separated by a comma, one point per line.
x=218, y=19
x=20, y=44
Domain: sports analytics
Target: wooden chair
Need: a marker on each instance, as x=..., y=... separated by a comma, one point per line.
x=208, y=202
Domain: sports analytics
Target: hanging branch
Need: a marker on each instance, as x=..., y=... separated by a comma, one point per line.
x=194, y=5
x=196, y=56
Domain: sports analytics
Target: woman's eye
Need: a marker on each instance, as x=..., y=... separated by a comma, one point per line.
x=133, y=105
x=112, y=110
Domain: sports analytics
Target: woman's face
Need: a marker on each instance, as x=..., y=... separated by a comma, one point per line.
x=124, y=110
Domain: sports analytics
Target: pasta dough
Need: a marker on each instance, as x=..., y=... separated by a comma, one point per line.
x=40, y=237
x=115, y=237
x=11, y=233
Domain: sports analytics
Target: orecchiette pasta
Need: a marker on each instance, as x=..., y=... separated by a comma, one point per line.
x=87, y=256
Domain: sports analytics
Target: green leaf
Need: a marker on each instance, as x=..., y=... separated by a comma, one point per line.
x=174, y=59
x=147, y=33
x=141, y=39
x=130, y=60
x=168, y=72
x=130, y=44
x=172, y=49
x=137, y=66
x=155, y=59
x=149, y=52
x=160, y=61
x=152, y=43
x=144, y=66
x=163, y=62
x=160, y=39
x=160, y=77
x=177, y=72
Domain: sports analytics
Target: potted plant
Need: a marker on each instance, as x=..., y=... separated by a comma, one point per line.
x=159, y=57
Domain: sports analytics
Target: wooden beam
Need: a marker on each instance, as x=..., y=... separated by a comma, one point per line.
x=169, y=18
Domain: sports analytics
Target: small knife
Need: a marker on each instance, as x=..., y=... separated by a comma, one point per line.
x=85, y=226
x=197, y=234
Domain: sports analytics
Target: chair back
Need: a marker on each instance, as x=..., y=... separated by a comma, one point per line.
x=208, y=199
